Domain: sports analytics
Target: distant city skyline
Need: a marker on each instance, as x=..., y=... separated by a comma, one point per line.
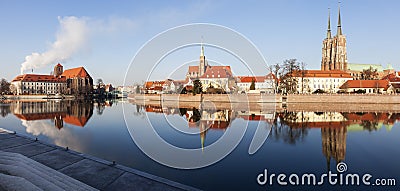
x=106, y=35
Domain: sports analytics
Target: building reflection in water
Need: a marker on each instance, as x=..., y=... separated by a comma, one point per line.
x=288, y=126
x=73, y=112
x=206, y=119
x=335, y=125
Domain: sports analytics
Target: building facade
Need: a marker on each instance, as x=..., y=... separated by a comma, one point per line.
x=34, y=84
x=356, y=70
x=394, y=80
x=334, y=53
x=368, y=86
x=211, y=76
x=262, y=83
x=329, y=81
x=79, y=82
x=73, y=82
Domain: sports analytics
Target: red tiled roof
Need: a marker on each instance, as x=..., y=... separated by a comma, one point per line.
x=366, y=84
x=323, y=74
x=378, y=117
x=253, y=117
x=193, y=69
x=222, y=71
x=392, y=77
x=59, y=64
x=77, y=121
x=76, y=72
x=39, y=78
x=249, y=79
x=39, y=116
x=150, y=84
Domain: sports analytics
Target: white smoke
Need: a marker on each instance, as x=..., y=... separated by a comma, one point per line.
x=70, y=39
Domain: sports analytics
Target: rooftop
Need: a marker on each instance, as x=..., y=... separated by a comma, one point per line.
x=38, y=78
x=366, y=84
x=323, y=74
x=76, y=72
x=361, y=67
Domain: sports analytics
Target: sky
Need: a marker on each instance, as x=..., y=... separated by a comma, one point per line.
x=104, y=36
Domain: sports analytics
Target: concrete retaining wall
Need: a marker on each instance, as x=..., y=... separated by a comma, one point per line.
x=34, y=97
x=268, y=98
x=343, y=98
x=252, y=98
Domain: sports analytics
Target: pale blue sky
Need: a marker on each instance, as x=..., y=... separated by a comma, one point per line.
x=280, y=29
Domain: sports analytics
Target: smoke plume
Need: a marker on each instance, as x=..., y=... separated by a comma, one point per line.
x=71, y=37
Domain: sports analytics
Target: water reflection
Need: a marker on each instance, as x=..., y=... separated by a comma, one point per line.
x=75, y=113
x=72, y=112
x=288, y=126
x=319, y=136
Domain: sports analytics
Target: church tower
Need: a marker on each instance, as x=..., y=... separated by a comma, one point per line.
x=58, y=70
x=334, y=53
x=327, y=47
x=203, y=62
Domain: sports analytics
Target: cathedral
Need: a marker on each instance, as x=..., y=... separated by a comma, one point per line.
x=334, y=54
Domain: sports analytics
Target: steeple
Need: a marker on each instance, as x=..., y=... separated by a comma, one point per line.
x=202, y=50
x=339, y=26
x=203, y=63
x=328, y=33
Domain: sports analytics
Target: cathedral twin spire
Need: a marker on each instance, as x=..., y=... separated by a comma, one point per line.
x=334, y=54
x=339, y=26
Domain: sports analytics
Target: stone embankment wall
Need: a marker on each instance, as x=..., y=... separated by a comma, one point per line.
x=33, y=97
x=268, y=98
x=232, y=98
x=343, y=98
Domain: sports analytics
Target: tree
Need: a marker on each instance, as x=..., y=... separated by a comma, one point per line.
x=288, y=80
x=99, y=81
x=303, y=74
x=275, y=69
x=4, y=86
x=197, y=87
x=138, y=89
x=253, y=84
x=369, y=74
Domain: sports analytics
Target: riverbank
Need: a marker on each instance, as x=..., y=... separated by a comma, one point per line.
x=276, y=107
x=95, y=172
x=38, y=97
x=273, y=98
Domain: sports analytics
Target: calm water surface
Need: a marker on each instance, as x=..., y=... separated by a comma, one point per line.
x=299, y=142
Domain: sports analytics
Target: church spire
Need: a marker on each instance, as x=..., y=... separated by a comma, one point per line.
x=202, y=50
x=328, y=33
x=339, y=26
x=202, y=47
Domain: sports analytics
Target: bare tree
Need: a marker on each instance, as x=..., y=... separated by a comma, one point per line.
x=288, y=79
x=369, y=74
x=4, y=86
x=275, y=69
x=303, y=74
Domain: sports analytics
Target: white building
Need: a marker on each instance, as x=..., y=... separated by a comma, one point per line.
x=217, y=77
x=368, y=86
x=329, y=81
x=262, y=83
x=34, y=84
